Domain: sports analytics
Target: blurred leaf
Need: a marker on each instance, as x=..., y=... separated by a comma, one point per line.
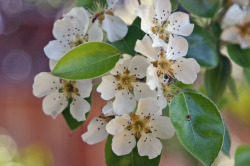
x=232, y=87
x=242, y=155
x=127, y=44
x=226, y=142
x=247, y=75
x=72, y=122
x=198, y=125
x=239, y=56
x=203, y=8
x=132, y=159
x=86, y=61
x=202, y=47
x=217, y=79
x=175, y=4
x=89, y=3
x=166, y=111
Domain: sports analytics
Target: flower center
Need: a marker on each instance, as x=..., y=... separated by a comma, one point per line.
x=160, y=30
x=244, y=29
x=69, y=88
x=163, y=65
x=126, y=81
x=100, y=13
x=139, y=125
x=79, y=40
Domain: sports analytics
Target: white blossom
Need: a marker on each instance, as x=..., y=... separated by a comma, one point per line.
x=168, y=64
x=71, y=31
x=146, y=124
x=160, y=24
x=58, y=92
x=97, y=127
x=113, y=25
x=240, y=33
x=124, y=84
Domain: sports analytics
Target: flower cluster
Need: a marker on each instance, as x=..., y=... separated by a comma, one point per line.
x=137, y=89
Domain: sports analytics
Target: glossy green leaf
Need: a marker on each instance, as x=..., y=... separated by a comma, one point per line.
x=174, y=4
x=242, y=155
x=217, y=79
x=127, y=44
x=203, y=8
x=232, y=87
x=202, y=47
x=132, y=159
x=86, y=61
x=72, y=122
x=89, y=3
x=239, y=56
x=226, y=142
x=247, y=75
x=198, y=125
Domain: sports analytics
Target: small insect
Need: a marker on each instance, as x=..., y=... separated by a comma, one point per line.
x=189, y=117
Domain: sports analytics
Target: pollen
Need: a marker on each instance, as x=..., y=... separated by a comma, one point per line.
x=69, y=88
x=126, y=81
x=79, y=40
x=139, y=124
x=244, y=29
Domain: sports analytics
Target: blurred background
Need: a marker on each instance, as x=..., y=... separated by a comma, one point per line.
x=28, y=137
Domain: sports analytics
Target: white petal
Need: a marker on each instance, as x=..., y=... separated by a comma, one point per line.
x=121, y=65
x=149, y=146
x=147, y=107
x=229, y=18
x=108, y=109
x=111, y=3
x=81, y=15
x=54, y=103
x=107, y=87
x=65, y=30
x=146, y=27
x=161, y=127
x=152, y=78
x=142, y=90
x=115, y=27
x=177, y=47
x=138, y=66
x=79, y=107
x=124, y=102
x=163, y=9
x=84, y=87
x=180, y=24
x=56, y=50
x=96, y=131
x=162, y=101
x=246, y=18
x=144, y=47
x=52, y=64
x=45, y=83
x=146, y=13
x=95, y=33
x=185, y=70
x=123, y=143
x=157, y=42
x=230, y=35
x=118, y=124
x=244, y=41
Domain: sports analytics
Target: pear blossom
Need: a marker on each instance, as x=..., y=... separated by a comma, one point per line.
x=160, y=24
x=239, y=34
x=97, y=127
x=168, y=64
x=71, y=31
x=124, y=84
x=58, y=92
x=146, y=124
x=113, y=25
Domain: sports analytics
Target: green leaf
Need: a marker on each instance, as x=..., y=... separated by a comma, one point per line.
x=203, y=8
x=202, y=47
x=132, y=159
x=232, y=87
x=242, y=155
x=198, y=125
x=72, y=122
x=86, y=61
x=247, y=75
x=239, y=56
x=127, y=44
x=174, y=4
x=217, y=79
x=226, y=142
x=89, y=3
